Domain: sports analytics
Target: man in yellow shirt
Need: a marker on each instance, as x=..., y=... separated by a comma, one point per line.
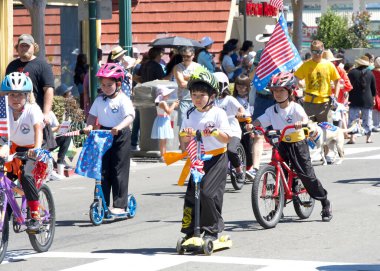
x=318, y=74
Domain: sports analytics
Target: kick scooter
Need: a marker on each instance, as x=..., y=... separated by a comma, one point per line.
x=197, y=243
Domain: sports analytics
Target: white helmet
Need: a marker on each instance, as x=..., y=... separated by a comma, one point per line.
x=224, y=83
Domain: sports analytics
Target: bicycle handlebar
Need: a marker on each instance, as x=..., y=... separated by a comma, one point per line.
x=269, y=133
x=194, y=133
x=23, y=155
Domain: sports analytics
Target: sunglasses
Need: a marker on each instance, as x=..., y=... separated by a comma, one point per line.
x=317, y=52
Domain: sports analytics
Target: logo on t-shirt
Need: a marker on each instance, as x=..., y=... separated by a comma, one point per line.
x=25, y=129
x=210, y=125
x=114, y=108
x=289, y=119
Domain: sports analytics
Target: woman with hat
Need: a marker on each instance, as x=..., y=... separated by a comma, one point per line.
x=205, y=58
x=362, y=96
x=376, y=108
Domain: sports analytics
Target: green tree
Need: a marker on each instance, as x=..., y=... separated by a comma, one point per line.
x=359, y=30
x=333, y=30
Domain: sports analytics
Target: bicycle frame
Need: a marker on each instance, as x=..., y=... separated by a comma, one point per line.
x=280, y=165
x=7, y=188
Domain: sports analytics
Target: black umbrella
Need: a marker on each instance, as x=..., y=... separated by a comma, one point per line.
x=173, y=42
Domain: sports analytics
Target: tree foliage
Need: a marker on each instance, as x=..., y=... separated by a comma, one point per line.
x=359, y=30
x=333, y=30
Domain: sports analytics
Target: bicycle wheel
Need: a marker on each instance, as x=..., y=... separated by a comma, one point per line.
x=42, y=241
x=303, y=203
x=267, y=208
x=4, y=234
x=96, y=213
x=241, y=153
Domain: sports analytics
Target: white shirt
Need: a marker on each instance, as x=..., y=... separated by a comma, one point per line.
x=231, y=106
x=111, y=112
x=53, y=119
x=284, y=117
x=248, y=109
x=214, y=118
x=22, y=130
x=184, y=93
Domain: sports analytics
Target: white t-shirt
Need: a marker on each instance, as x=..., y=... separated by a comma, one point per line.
x=284, y=117
x=231, y=106
x=248, y=109
x=184, y=93
x=214, y=118
x=53, y=119
x=22, y=130
x=111, y=112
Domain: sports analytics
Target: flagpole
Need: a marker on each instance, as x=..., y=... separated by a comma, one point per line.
x=7, y=113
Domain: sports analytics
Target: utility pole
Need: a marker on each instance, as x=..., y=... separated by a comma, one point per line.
x=93, y=49
x=125, y=25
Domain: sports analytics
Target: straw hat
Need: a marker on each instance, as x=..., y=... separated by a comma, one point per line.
x=162, y=91
x=266, y=34
x=117, y=51
x=328, y=55
x=362, y=61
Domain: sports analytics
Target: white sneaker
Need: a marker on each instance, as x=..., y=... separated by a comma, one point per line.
x=54, y=176
x=135, y=148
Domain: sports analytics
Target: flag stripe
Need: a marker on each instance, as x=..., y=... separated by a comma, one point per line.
x=277, y=3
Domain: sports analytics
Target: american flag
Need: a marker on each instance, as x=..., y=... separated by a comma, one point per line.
x=279, y=54
x=192, y=150
x=4, y=119
x=277, y=3
x=73, y=133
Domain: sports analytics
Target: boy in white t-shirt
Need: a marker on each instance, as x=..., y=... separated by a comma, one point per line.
x=207, y=118
x=26, y=122
x=114, y=111
x=294, y=147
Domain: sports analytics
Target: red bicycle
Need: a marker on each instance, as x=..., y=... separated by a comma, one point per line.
x=277, y=184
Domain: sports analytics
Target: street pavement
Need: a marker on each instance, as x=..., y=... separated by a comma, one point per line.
x=351, y=241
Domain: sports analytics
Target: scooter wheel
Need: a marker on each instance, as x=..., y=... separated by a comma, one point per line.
x=208, y=247
x=96, y=215
x=132, y=205
x=179, y=247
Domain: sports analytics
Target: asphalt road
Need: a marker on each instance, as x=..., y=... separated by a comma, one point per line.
x=351, y=241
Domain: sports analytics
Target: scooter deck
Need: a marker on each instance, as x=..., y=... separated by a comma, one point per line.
x=197, y=243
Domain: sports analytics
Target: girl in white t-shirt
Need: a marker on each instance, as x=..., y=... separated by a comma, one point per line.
x=26, y=122
x=114, y=111
x=233, y=109
x=206, y=117
x=293, y=148
x=162, y=129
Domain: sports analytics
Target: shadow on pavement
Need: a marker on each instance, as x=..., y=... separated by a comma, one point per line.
x=144, y=251
x=373, y=181
x=159, y=194
x=353, y=267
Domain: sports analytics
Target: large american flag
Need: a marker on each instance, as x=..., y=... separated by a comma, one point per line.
x=277, y=3
x=279, y=55
x=4, y=119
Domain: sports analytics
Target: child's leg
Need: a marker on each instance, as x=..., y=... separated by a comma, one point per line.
x=232, y=153
x=246, y=141
x=63, y=143
x=30, y=189
x=258, y=148
x=106, y=181
x=119, y=171
x=162, y=147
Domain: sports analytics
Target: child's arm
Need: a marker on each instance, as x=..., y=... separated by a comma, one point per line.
x=91, y=122
x=125, y=123
x=221, y=136
x=181, y=80
x=168, y=109
x=241, y=112
x=250, y=126
x=37, y=139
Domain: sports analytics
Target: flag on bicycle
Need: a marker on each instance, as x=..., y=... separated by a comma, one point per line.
x=192, y=150
x=279, y=55
x=72, y=133
x=90, y=159
x=4, y=117
x=277, y=4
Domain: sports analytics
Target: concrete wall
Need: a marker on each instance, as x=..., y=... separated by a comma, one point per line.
x=352, y=54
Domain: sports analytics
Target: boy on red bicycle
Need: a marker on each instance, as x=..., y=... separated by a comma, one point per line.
x=293, y=148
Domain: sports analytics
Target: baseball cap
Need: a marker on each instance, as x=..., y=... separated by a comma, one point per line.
x=26, y=38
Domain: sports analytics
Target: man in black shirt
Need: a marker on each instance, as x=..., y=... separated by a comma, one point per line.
x=37, y=69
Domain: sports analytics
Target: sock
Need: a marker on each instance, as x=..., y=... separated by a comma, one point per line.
x=34, y=206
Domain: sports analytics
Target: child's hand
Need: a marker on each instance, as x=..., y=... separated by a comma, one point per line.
x=176, y=103
x=32, y=154
x=298, y=125
x=115, y=131
x=208, y=132
x=189, y=131
x=4, y=151
x=249, y=127
x=240, y=115
x=88, y=129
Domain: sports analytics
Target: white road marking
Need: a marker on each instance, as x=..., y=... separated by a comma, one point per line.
x=112, y=261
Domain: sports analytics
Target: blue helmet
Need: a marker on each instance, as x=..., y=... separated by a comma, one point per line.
x=16, y=82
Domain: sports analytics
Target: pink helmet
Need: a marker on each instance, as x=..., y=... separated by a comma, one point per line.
x=111, y=70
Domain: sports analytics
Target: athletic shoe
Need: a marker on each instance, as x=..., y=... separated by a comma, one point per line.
x=252, y=173
x=135, y=148
x=210, y=236
x=34, y=226
x=327, y=212
x=240, y=177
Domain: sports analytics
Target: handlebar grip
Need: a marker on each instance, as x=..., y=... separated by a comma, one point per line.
x=213, y=133
x=304, y=125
